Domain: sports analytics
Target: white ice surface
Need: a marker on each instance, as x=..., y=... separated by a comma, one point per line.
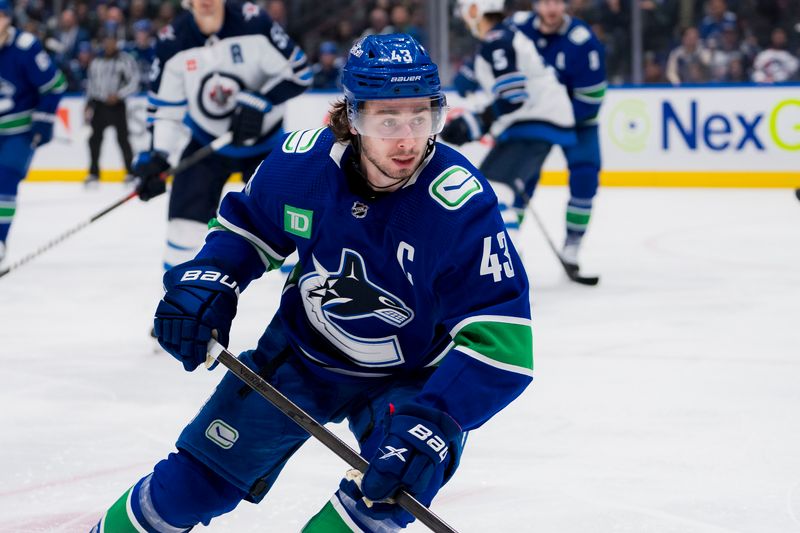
x=667, y=399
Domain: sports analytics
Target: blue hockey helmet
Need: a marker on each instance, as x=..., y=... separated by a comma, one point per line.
x=392, y=67
x=6, y=8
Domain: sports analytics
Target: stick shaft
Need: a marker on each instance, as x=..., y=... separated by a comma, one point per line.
x=193, y=159
x=317, y=430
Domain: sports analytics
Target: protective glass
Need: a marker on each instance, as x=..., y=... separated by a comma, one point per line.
x=399, y=118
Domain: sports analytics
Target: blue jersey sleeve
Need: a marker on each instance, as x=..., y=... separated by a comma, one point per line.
x=247, y=232
x=43, y=74
x=486, y=297
x=585, y=75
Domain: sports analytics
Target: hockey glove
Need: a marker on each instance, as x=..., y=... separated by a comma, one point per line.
x=148, y=169
x=42, y=128
x=418, y=453
x=199, y=298
x=462, y=129
x=248, y=118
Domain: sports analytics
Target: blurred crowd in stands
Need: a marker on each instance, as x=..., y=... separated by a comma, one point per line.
x=684, y=41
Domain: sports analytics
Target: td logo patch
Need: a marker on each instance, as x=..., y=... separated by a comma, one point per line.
x=454, y=187
x=297, y=221
x=222, y=434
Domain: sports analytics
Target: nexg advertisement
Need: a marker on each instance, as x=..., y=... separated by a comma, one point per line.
x=742, y=136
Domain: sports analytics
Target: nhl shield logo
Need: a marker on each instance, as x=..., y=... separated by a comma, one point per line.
x=359, y=210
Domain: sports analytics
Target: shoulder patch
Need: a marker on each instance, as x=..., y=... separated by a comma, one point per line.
x=301, y=141
x=579, y=35
x=250, y=10
x=454, y=187
x=25, y=40
x=167, y=33
x=520, y=17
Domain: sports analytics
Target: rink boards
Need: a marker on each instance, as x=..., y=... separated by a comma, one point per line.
x=704, y=136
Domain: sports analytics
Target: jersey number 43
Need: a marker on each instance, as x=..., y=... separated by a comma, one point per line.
x=490, y=262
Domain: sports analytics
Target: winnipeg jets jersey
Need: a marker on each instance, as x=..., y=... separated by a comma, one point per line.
x=420, y=277
x=578, y=58
x=526, y=97
x=195, y=78
x=29, y=82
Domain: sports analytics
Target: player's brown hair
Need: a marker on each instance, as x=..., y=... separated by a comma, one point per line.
x=339, y=123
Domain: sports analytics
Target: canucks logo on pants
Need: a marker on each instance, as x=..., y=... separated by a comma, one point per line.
x=335, y=302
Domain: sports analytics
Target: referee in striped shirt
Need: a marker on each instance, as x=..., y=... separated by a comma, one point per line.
x=112, y=77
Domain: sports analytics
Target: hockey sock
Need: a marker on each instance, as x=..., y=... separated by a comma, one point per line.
x=346, y=513
x=134, y=512
x=181, y=490
x=8, y=207
x=579, y=211
x=184, y=239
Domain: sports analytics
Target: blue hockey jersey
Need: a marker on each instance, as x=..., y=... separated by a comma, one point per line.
x=579, y=59
x=195, y=78
x=420, y=277
x=29, y=82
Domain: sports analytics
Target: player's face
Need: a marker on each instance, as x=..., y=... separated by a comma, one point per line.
x=551, y=13
x=398, y=133
x=208, y=14
x=5, y=22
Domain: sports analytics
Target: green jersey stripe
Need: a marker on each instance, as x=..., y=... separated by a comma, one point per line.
x=56, y=85
x=491, y=362
x=17, y=122
x=508, y=345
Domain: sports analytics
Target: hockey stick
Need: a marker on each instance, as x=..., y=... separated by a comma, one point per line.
x=193, y=159
x=572, y=271
x=219, y=353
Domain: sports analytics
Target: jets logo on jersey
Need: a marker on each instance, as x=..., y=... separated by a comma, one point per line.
x=354, y=314
x=217, y=92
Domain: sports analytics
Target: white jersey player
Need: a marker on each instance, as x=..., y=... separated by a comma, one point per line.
x=222, y=66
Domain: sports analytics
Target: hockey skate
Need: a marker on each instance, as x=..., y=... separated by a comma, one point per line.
x=91, y=181
x=569, y=255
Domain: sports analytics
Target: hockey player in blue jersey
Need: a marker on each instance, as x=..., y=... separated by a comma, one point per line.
x=30, y=88
x=221, y=66
x=517, y=99
x=408, y=308
x=569, y=46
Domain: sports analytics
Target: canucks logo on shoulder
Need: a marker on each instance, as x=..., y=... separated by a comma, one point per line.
x=340, y=303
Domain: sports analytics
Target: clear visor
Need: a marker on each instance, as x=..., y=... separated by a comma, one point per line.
x=399, y=118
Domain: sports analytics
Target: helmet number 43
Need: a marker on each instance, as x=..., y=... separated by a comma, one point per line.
x=490, y=262
x=402, y=56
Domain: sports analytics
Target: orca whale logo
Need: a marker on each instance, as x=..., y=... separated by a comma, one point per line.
x=335, y=303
